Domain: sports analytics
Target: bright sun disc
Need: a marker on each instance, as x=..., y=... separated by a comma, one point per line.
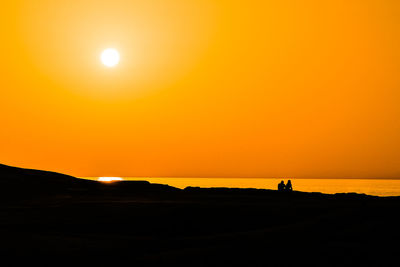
x=110, y=57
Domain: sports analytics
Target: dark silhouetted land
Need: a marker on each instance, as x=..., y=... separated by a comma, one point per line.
x=59, y=220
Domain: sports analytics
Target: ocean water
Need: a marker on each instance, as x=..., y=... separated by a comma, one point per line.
x=375, y=187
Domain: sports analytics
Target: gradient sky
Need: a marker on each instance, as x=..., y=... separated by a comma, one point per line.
x=205, y=88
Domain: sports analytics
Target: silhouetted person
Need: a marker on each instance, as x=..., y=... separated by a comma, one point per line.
x=288, y=186
x=281, y=186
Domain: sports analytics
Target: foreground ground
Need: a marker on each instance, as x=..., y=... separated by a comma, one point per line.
x=141, y=224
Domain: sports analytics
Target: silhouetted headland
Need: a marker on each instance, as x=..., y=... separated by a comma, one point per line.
x=36, y=183
x=60, y=220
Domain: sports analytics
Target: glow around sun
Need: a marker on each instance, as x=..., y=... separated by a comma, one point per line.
x=110, y=57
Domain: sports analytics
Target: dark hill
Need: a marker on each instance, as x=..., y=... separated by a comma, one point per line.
x=13, y=175
x=29, y=183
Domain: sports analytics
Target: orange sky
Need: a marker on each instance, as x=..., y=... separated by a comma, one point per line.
x=216, y=88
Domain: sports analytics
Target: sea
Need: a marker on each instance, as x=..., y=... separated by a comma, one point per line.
x=375, y=187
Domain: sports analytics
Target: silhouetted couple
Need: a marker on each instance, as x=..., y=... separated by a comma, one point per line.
x=283, y=187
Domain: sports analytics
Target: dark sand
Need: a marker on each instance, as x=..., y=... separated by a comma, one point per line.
x=59, y=220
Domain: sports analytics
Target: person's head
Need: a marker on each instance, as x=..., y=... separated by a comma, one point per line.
x=289, y=182
x=282, y=182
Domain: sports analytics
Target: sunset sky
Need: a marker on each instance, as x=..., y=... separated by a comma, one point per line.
x=204, y=88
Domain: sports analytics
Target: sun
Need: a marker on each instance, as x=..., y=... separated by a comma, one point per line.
x=110, y=57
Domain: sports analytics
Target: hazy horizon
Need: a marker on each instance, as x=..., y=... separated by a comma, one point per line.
x=375, y=187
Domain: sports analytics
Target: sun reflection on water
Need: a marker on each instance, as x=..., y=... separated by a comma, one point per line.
x=109, y=179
